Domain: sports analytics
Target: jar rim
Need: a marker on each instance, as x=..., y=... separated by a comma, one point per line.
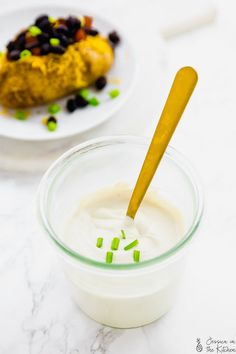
x=54, y=170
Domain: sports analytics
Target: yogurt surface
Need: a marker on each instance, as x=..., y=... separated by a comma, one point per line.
x=158, y=225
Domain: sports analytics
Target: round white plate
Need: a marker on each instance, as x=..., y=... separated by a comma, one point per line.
x=121, y=76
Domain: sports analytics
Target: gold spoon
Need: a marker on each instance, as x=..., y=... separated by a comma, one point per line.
x=180, y=93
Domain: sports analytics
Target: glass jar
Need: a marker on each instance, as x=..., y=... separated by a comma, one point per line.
x=119, y=295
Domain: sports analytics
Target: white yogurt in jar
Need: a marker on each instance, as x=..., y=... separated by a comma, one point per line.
x=130, y=297
x=157, y=227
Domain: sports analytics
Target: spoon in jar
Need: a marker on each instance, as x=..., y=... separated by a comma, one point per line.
x=180, y=93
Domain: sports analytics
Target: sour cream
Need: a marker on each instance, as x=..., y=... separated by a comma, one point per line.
x=158, y=225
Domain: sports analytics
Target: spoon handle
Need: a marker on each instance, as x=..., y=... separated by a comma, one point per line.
x=180, y=93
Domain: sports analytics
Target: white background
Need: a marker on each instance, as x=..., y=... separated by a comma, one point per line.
x=36, y=312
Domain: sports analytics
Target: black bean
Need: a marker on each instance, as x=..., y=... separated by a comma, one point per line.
x=100, y=83
x=91, y=32
x=114, y=37
x=52, y=119
x=14, y=55
x=63, y=40
x=80, y=101
x=40, y=19
x=43, y=38
x=54, y=33
x=21, y=37
x=71, y=105
x=11, y=45
x=19, y=45
x=73, y=23
x=20, y=41
x=46, y=26
x=45, y=48
x=71, y=32
x=63, y=29
x=57, y=49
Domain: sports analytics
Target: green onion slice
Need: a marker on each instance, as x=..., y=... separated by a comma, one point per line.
x=136, y=255
x=54, y=108
x=99, y=242
x=115, y=243
x=123, y=235
x=34, y=31
x=21, y=115
x=109, y=257
x=94, y=101
x=131, y=245
x=85, y=93
x=114, y=93
x=52, y=126
x=54, y=41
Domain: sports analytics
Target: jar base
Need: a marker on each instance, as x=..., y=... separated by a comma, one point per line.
x=124, y=313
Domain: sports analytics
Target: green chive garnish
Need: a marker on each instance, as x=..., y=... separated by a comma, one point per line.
x=131, y=245
x=21, y=115
x=85, y=93
x=54, y=108
x=52, y=126
x=99, y=242
x=54, y=41
x=25, y=54
x=94, y=101
x=109, y=257
x=115, y=243
x=123, y=235
x=114, y=93
x=34, y=31
x=136, y=255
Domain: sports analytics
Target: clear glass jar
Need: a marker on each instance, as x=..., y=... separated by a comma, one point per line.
x=119, y=295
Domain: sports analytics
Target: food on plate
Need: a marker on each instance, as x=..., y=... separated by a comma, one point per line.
x=53, y=58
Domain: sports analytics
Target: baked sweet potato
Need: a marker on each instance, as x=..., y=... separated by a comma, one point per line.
x=36, y=80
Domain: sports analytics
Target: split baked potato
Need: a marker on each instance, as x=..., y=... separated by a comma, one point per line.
x=32, y=80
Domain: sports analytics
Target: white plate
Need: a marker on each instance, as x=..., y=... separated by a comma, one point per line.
x=82, y=120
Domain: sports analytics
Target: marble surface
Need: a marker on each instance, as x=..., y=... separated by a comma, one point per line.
x=37, y=315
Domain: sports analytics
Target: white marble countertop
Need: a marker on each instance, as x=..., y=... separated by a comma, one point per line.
x=37, y=315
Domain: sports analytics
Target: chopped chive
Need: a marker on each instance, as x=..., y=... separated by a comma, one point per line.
x=109, y=257
x=94, y=101
x=25, y=54
x=115, y=243
x=54, y=108
x=52, y=126
x=114, y=93
x=85, y=93
x=123, y=235
x=136, y=255
x=131, y=245
x=34, y=31
x=99, y=242
x=21, y=115
x=54, y=41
